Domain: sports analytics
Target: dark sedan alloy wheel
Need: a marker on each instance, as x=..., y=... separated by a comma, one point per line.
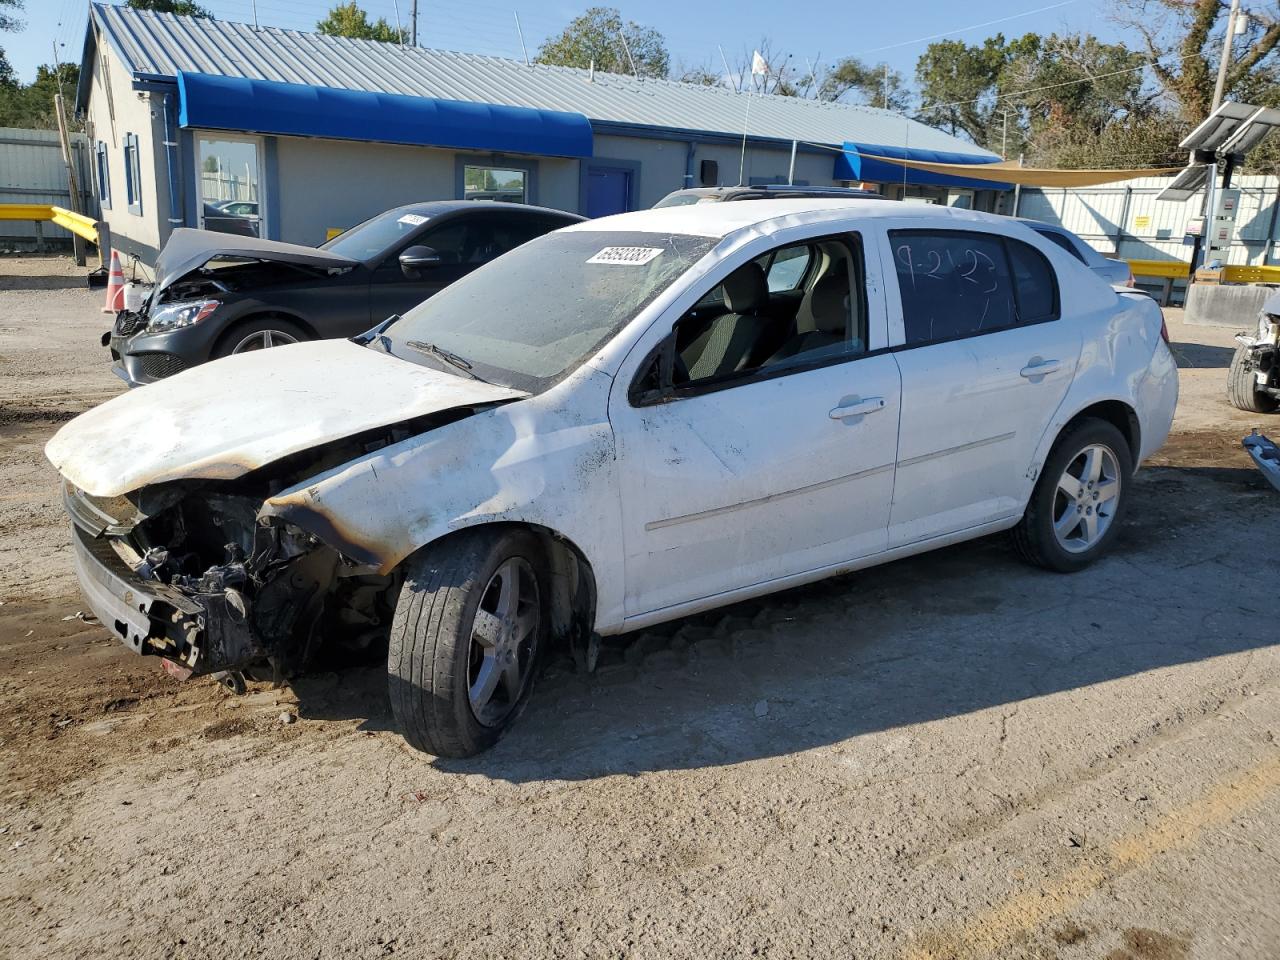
x=262, y=339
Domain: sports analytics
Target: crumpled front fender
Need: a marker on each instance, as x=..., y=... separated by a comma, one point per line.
x=532, y=462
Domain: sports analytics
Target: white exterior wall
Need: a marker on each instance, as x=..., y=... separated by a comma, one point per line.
x=1126, y=220
x=112, y=115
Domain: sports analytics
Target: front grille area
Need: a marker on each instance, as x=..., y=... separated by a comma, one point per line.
x=160, y=365
x=128, y=323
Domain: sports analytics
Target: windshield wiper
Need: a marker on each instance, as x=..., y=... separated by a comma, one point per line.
x=455, y=361
x=375, y=333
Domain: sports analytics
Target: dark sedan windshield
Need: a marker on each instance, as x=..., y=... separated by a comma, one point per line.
x=376, y=235
x=536, y=313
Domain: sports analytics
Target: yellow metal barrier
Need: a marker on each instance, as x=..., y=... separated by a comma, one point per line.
x=1240, y=274
x=1172, y=269
x=26, y=211
x=77, y=223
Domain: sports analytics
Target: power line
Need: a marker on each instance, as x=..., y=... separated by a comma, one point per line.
x=975, y=26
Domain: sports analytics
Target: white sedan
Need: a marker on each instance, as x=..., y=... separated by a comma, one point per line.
x=626, y=421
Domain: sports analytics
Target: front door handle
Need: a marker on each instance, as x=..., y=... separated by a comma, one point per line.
x=857, y=408
x=1037, y=367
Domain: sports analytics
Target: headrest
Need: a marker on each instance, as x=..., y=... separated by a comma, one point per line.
x=829, y=303
x=745, y=290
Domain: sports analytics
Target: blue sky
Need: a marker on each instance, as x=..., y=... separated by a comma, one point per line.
x=813, y=29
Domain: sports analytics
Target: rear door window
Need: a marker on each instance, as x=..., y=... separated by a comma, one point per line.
x=953, y=284
x=957, y=284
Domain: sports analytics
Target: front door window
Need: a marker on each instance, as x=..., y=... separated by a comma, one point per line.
x=230, y=186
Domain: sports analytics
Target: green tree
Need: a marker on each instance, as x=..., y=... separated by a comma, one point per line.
x=1184, y=41
x=183, y=8
x=596, y=38
x=8, y=79
x=349, y=20
x=871, y=84
x=32, y=105
x=8, y=22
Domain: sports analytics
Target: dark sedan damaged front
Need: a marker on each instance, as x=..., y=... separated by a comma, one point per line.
x=187, y=571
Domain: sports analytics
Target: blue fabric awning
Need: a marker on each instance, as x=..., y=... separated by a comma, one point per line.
x=300, y=110
x=858, y=162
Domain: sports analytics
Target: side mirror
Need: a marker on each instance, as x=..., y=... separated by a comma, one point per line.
x=415, y=258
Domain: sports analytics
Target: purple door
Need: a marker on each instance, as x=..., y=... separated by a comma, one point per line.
x=608, y=191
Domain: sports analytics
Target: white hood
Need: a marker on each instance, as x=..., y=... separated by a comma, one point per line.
x=223, y=419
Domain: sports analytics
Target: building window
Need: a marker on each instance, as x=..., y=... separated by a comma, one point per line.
x=104, y=176
x=495, y=183
x=132, y=173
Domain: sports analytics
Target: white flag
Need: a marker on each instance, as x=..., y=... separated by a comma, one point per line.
x=758, y=66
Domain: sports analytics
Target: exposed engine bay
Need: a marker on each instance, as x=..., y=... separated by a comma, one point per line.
x=223, y=589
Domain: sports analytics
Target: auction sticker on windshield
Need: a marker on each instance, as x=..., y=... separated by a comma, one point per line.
x=413, y=219
x=626, y=256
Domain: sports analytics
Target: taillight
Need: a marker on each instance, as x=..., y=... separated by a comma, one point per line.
x=1164, y=329
x=1131, y=282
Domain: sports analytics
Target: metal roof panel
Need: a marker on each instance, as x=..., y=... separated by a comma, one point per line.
x=158, y=45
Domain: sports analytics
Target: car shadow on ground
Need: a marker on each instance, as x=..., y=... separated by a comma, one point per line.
x=1201, y=355
x=948, y=633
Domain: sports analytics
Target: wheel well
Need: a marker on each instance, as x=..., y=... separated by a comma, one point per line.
x=1120, y=415
x=241, y=322
x=573, y=582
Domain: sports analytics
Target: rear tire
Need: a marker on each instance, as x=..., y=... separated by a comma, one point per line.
x=461, y=666
x=1076, y=508
x=1242, y=388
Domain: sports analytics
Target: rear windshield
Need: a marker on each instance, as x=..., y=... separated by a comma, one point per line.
x=535, y=314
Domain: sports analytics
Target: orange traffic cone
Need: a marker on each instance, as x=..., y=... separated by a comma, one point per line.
x=115, y=286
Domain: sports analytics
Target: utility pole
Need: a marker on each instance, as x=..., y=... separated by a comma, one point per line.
x=1207, y=210
x=73, y=181
x=884, y=93
x=1226, y=55
x=1004, y=137
x=413, y=27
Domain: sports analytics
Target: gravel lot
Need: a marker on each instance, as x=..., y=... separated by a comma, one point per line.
x=953, y=756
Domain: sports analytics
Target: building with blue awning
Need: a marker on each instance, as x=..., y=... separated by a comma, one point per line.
x=291, y=135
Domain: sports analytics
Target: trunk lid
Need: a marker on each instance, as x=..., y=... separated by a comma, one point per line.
x=223, y=419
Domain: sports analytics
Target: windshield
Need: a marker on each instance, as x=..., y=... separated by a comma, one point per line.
x=683, y=198
x=376, y=235
x=536, y=313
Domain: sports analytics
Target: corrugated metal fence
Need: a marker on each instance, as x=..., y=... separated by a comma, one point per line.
x=31, y=171
x=1125, y=219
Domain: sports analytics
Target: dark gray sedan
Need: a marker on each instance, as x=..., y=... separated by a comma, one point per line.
x=217, y=294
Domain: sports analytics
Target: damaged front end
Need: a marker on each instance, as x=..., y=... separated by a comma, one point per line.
x=191, y=572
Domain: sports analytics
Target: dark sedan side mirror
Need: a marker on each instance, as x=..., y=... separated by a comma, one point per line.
x=414, y=258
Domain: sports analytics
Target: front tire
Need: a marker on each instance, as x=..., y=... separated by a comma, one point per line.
x=1074, y=513
x=259, y=334
x=466, y=638
x=1242, y=387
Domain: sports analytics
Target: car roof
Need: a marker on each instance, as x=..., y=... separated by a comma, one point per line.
x=723, y=219
x=437, y=208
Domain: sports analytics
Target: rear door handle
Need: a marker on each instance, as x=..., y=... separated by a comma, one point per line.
x=857, y=408
x=1038, y=368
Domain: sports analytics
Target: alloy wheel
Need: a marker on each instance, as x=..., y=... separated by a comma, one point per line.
x=263, y=339
x=504, y=635
x=1086, y=498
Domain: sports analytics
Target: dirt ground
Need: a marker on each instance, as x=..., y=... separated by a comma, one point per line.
x=953, y=756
